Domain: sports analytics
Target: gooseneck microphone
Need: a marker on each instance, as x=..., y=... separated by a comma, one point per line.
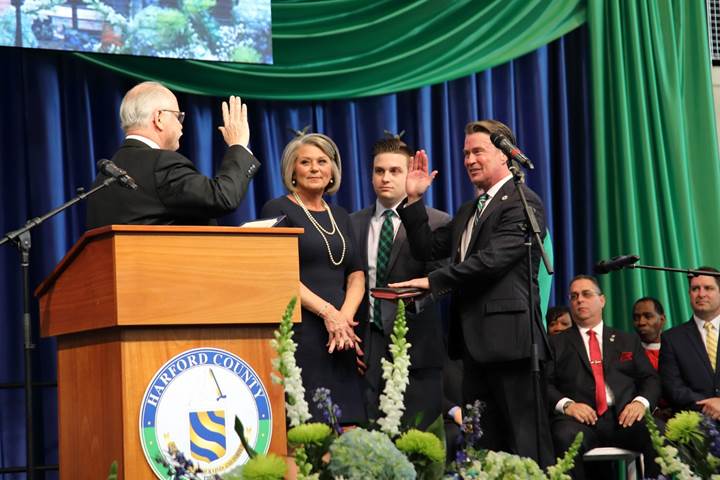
x=615, y=263
x=512, y=151
x=111, y=170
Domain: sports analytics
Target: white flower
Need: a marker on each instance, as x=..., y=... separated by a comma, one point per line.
x=395, y=374
x=297, y=408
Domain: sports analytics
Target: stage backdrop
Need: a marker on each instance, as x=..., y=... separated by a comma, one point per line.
x=60, y=116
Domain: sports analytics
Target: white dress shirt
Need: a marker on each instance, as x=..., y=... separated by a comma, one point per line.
x=144, y=140
x=699, y=322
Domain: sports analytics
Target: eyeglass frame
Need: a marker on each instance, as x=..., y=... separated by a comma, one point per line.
x=180, y=115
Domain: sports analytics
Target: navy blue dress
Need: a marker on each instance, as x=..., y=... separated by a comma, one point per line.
x=336, y=371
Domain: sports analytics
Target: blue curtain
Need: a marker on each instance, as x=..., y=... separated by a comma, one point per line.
x=59, y=116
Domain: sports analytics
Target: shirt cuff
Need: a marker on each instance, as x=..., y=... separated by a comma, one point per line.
x=642, y=400
x=560, y=405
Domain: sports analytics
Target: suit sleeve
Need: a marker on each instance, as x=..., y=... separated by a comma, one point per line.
x=504, y=250
x=674, y=388
x=182, y=188
x=425, y=244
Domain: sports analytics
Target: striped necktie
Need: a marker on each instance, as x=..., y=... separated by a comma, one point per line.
x=383, y=258
x=482, y=199
x=711, y=343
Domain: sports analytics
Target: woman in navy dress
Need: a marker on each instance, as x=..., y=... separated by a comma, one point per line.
x=332, y=280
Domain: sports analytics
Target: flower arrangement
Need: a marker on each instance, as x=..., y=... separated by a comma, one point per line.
x=325, y=450
x=690, y=448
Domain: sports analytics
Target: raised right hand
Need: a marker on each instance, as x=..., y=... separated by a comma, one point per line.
x=236, y=130
x=418, y=178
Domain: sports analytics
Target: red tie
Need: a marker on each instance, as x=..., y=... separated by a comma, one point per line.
x=597, y=368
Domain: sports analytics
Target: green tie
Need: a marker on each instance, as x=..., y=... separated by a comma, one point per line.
x=383, y=257
x=482, y=199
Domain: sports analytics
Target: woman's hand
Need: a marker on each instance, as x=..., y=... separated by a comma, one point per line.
x=341, y=335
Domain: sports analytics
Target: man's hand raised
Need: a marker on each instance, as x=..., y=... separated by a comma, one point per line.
x=236, y=130
x=418, y=178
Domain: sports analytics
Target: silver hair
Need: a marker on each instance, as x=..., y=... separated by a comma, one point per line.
x=324, y=143
x=140, y=102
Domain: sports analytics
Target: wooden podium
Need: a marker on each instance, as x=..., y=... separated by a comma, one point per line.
x=126, y=299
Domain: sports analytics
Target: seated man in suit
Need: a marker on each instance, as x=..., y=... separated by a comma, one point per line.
x=386, y=256
x=688, y=355
x=600, y=382
x=171, y=189
x=649, y=320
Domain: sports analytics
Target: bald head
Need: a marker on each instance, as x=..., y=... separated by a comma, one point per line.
x=151, y=110
x=141, y=102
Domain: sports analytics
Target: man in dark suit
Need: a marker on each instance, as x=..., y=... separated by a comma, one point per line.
x=600, y=382
x=488, y=278
x=688, y=355
x=423, y=396
x=171, y=190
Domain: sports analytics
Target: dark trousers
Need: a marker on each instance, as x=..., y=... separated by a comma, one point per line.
x=605, y=433
x=508, y=420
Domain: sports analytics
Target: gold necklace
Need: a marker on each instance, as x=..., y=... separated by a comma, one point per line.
x=322, y=231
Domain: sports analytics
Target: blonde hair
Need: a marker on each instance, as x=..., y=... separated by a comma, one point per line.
x=326, y=145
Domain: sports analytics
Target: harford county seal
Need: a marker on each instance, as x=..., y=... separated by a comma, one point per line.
x=187, y=417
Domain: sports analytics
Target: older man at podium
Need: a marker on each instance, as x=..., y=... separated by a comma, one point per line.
x=171, y=191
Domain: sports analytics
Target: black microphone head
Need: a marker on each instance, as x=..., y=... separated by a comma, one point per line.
x=497, y=138
x=615, y=263
x=101, y=163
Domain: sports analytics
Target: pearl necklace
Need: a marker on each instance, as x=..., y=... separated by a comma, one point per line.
x=322, y=231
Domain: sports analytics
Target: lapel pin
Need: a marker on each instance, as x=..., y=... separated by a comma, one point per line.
x=504, y=197
x=612, y=337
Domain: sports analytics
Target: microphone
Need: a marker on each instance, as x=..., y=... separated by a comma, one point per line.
x=111, y=170
x=513, y=152
x=615, y=263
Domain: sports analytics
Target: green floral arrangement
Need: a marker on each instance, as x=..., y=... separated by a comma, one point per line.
x=360, y=454
x=690, y=448
x=260, y=467
x=425, y=451
x=325, y=450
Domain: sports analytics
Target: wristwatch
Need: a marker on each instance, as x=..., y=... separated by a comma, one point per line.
x=567, y=404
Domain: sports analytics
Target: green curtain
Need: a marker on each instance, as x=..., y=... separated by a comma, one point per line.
x=657, y=176
x=330, y=49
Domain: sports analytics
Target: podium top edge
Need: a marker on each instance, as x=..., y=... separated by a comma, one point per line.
x=110, y=230
x=190, y=229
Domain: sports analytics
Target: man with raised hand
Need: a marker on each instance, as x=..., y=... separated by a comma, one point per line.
x=171, y=191
x=488, y=281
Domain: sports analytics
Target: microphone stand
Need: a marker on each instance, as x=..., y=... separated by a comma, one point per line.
x=689, y=272
x=532, y=233
x=22, y=241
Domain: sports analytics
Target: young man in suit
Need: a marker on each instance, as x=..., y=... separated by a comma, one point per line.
x=389, y=263
x=488, y=278
x=600, y=382
x=688, y=352
x=170, y=188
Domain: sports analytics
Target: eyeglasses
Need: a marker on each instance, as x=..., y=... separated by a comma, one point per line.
x=584, y=294
x=178, y=114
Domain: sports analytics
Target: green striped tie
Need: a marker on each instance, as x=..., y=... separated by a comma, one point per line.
x=383, y=257
x=711, y=343
x=480, y=204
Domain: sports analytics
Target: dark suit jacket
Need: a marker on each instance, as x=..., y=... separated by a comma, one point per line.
x=424, y=326
x=489, y=288
x=685, y=369
x=171, y=190
x=626, y=369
